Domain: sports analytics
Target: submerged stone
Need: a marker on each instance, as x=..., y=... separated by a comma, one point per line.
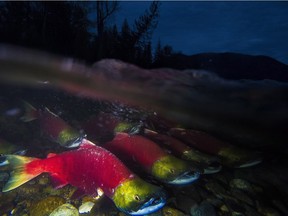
x=45, y=206
x=204, y=209
x=169, y=211
x=86, y=207
x=241, y=184
x=65, y=210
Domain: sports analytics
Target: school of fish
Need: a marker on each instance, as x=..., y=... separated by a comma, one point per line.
x=112, y=155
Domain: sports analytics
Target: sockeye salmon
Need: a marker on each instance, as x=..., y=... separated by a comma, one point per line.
x=152, y=158
x=209, y=163
x=89, y=167
x=55, y=128
x=231, y=156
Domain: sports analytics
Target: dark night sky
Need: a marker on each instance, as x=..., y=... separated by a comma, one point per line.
x=257, y=28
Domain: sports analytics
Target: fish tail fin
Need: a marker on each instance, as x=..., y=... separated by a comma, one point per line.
x=19, y=174
x=30, y=112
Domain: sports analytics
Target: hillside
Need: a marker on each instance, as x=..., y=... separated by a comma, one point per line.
x=230, y=65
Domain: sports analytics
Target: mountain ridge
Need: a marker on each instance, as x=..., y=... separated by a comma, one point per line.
x=229, y=65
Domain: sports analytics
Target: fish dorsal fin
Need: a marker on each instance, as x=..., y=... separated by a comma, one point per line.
x=51, y=155
x=57, y=181
x=50, y=112
x=87, y=144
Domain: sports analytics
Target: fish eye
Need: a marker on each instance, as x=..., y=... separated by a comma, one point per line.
x=137, y=198
x=172, y=171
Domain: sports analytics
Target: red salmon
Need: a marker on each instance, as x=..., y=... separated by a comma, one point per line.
x=152, y=158
x=88, y=168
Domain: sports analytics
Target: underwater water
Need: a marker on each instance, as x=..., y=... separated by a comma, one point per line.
x=239, y=125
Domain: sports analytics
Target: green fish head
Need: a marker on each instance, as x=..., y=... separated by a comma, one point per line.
x=172, y=170
x=122, y=127
x=210, y=164
x=130, y=128
x=70, y=138
x=137, y=197
x=239, y=158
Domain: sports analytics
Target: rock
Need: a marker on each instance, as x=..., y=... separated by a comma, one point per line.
x=21, y=208
x=204, y=209
x=47, y=205
x=241, y=184
x=185, y=203
x=224, y=208
x=237, y=214
x=169, y=211
x=234, y=207
x=65, y=210
x=192, y=191
x=65, y=192
x=266, y=210
x=43, y=180
x=86, y=207
x=251, y=211
x=281, y=206
x=29, y=190
x=104, y=207
x=242, y=196
x=217, y=189
x=6, y=202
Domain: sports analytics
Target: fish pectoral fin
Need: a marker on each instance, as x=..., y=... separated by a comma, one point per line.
x=57, y=181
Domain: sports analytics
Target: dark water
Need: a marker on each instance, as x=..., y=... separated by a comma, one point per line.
x=250, y=115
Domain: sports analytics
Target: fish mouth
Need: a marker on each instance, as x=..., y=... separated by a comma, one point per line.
x=151, y=205
x=186, y=177
x=212, y=167
x=75, y=143
x=3, y=160
x=250, y=163
x=239, y=158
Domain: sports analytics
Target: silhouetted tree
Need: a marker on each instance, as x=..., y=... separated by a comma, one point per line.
x=103, y=10
x=146, y=24
x=114, y=40
x=167, y=50
x=130, y=44
x=59, y=27
x=146, y=56
x=64, y=27
x=161, y=54
x=135, y=42
x=158, y=52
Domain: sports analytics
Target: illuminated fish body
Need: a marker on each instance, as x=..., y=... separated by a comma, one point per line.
x=210, y=163
x=89, y=168
x=106, y=125
x=152, y=158
x=231, y=156
x=55, y=128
